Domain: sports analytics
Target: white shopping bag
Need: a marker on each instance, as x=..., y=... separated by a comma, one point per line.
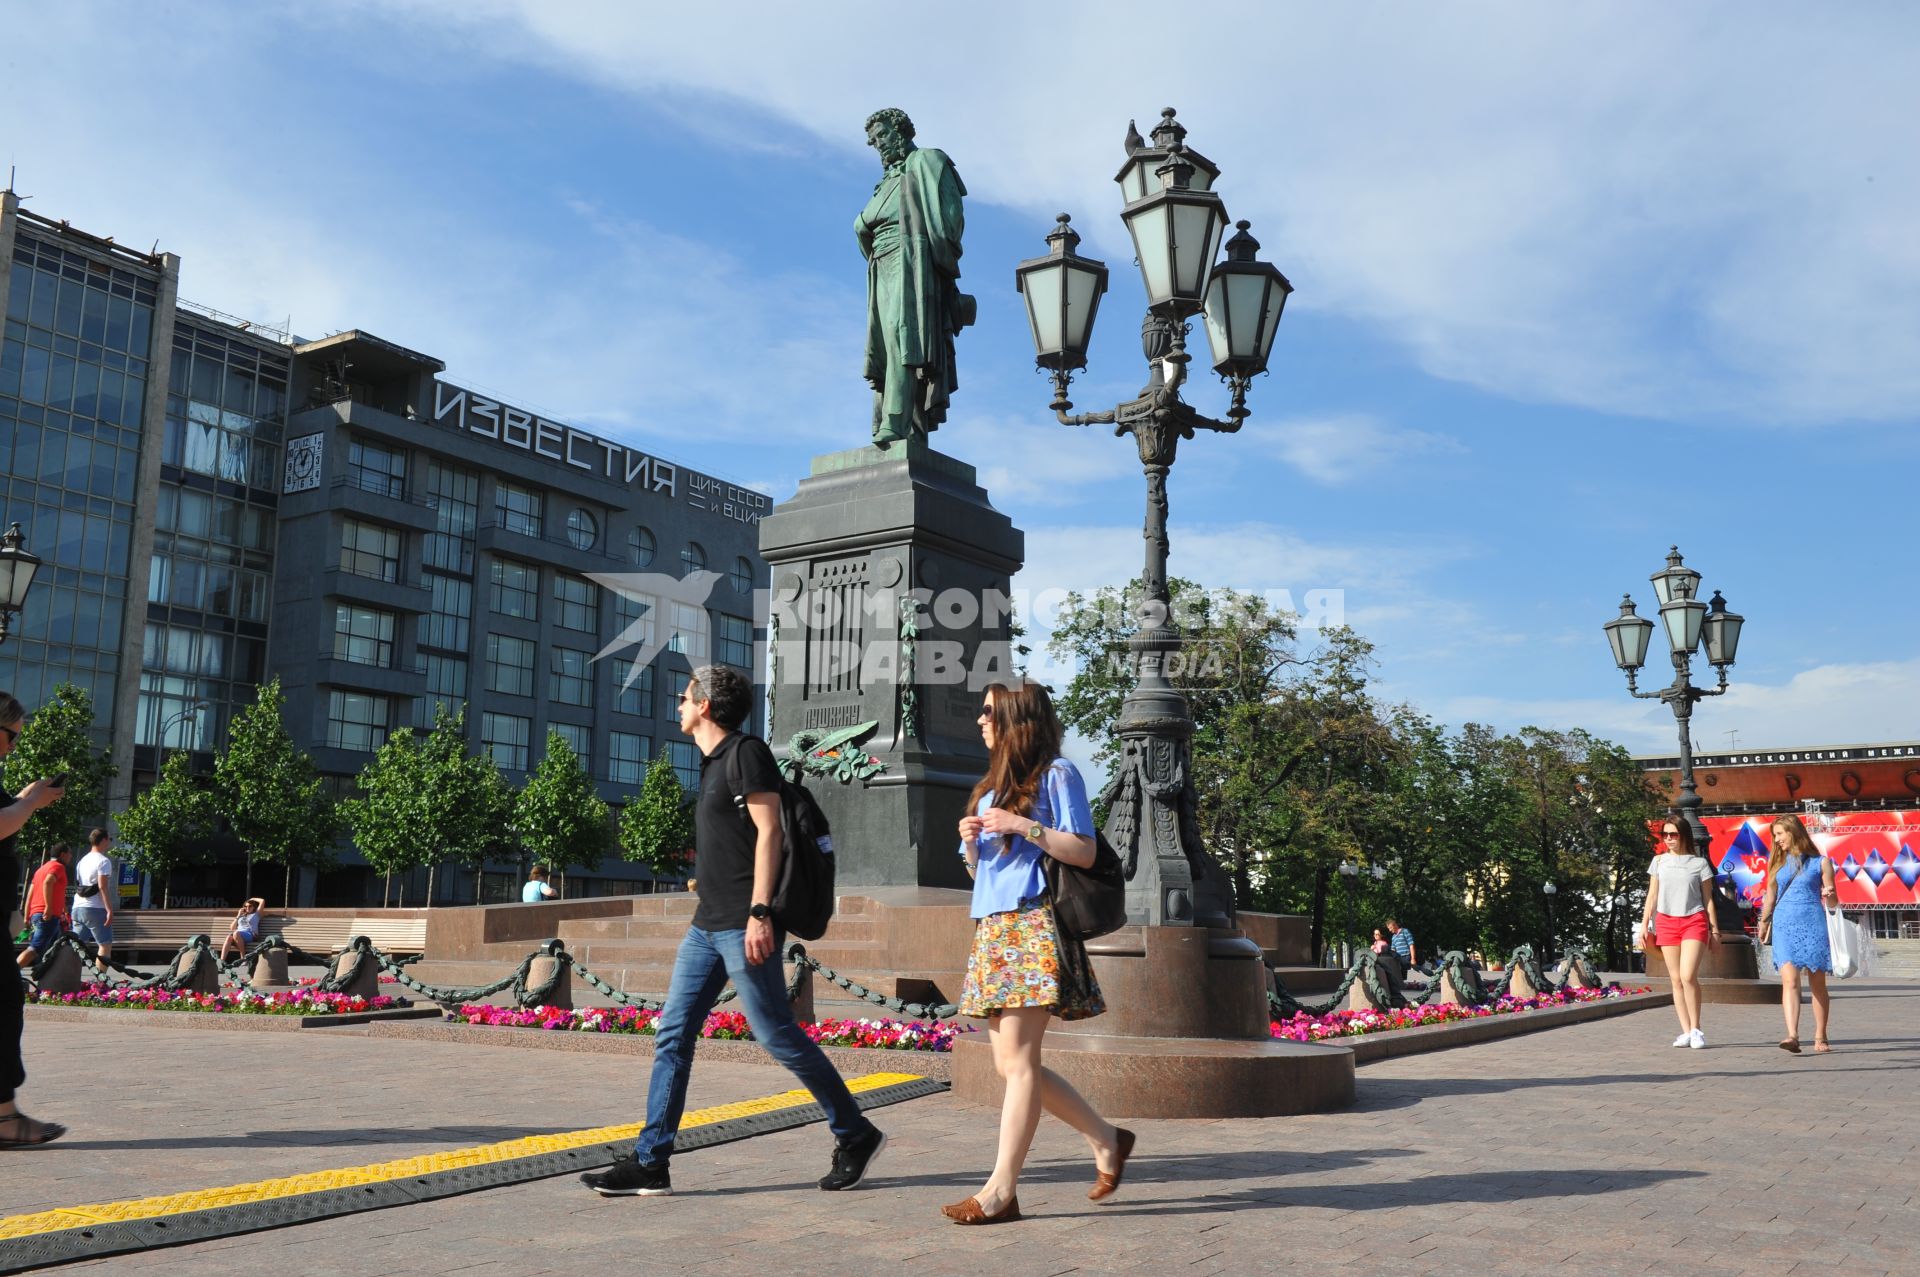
x=1844, y=939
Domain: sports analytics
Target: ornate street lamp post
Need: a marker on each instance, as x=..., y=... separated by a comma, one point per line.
x=1351, y=873
x=1690, y=625
x=1176, y=221
x=1549, y=891
x=17, y=569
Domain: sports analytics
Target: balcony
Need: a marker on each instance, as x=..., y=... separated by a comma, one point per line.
x=390, y=596
x=549, y=550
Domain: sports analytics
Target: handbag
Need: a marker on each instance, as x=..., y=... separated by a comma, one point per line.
x=1843, y=938
x=1088, y=902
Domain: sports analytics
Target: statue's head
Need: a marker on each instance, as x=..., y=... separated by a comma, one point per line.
x=890, y=132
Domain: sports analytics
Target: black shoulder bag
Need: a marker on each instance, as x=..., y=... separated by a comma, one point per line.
x=1088, y=902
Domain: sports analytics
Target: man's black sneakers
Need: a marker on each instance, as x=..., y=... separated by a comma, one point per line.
x=852, y=1159
x=627, y=1178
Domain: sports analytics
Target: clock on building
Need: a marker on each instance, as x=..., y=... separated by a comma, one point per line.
x=303, y=463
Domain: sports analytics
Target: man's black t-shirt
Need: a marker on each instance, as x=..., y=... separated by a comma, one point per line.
x=724, y=836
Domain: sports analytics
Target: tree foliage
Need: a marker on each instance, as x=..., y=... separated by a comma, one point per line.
x=1298, y=767
x=58, y=737
x=169, y=826
x=268, y=791
x=559, y=817
x=656, y=827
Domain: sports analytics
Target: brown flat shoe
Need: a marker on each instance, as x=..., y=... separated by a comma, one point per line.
x=17, y=1130
x=1105, y=1185
x=1820, y=1046
x=969, y=1212
x=1790, y=1044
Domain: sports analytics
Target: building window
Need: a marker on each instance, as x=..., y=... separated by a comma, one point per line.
x=363, y=636
x=742, y=575
x=633, y=616
x=686, y=763
x=570, y=680
x=517, y=508
x=579, y=603
x=687, y=631
x=627, y=758
x=447, y=619
x=637, y=699
x=515, y=589
x=455, y=496
x=641, y=545
x=580, y=740
x=505, y=737
x=367, y=549
x=733, y=641
x=446, y=685
x=356, y=721
x=582, y=530
x=510, y=665
x=374, y=468
x=693, y=558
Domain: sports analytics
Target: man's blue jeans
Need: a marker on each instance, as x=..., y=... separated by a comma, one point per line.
x=706, y=961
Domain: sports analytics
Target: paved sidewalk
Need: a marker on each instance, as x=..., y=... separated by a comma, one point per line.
x=1590, y=1149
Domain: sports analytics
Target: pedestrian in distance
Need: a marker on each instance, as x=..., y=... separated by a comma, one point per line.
x=245, y=931
x=17, y=1130
x=1679, y=918
x=536, y=888
x=1021, y=971
x=1379, y=942
x=734, y=936
x=95, y=883
x=47, y=917
x=1800, y=889
x=1402, y=941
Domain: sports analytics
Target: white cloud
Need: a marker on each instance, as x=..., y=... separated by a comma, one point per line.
x=1339, y=450
x=1617, y=207
x=1837, y=704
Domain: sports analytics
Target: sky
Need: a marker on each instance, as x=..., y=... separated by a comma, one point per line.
x=1573, y=283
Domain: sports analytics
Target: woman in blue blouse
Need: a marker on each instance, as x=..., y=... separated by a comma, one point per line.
x=1793, y=918
x=1031, y=804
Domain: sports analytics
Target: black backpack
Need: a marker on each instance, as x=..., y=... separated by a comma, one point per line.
x=803, y=897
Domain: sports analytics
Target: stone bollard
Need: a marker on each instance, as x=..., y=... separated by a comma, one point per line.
x=1520, y=986
x=197, y=970
x=270, y=968
x=1581, y=976
x=1359, y=998
x=803, y=997
x=548, y=965
x=358, y=972
x=63, y=971
x=1449, y=991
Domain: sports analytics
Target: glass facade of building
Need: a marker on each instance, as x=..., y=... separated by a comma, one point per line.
x=74, y=365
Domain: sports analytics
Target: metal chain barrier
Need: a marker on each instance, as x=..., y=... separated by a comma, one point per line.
x=1454, y=964
x=797, y=954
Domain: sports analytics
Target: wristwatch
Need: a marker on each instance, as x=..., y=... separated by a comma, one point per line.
x=1034, y=834
x=760, y=912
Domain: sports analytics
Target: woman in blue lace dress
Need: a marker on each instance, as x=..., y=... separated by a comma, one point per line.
x=1793, y=917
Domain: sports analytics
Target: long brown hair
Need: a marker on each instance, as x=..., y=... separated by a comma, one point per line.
x=1026, y=740
x=1798, y=836
x=1686, y=836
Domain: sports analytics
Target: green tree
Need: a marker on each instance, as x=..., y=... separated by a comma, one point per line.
x=390, y=817
x=656, y=826
x=58, y=737
x=469, y=805
x=267, y=789
x=559, y=817
x=168, y=826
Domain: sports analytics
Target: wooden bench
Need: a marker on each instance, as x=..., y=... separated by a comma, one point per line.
x=162, y=932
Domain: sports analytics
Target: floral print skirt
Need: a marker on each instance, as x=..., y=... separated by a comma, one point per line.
x=1019, y=960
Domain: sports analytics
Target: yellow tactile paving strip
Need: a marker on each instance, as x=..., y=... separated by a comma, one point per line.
x=67, y=1217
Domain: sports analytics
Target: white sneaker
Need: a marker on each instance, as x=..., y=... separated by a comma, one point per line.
x=1697, y=1040
x=1685, y=1039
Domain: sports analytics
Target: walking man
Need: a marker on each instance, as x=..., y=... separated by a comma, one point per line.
x=737, y=849
x=1402, y=942
x=95, y=883
x=46, y=907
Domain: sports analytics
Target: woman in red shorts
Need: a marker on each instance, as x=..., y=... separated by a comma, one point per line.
x=1679, y=918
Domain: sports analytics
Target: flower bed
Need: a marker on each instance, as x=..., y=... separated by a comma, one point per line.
x=292, y=1002
x=731, y=1026
x=1304, y=1027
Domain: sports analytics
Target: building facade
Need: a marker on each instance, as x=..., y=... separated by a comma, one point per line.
x=219, y=504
